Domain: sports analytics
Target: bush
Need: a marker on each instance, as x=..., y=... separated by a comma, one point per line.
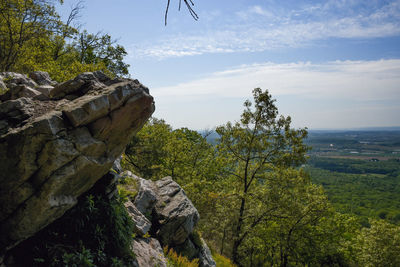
x=176, y=260
x=222, y=261
x=96, y=232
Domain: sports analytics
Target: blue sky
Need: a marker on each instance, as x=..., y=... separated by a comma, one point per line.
x=329, y=64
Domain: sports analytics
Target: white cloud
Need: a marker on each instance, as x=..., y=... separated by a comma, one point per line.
x=259, y=29
x=358, y=80
x=328, y=95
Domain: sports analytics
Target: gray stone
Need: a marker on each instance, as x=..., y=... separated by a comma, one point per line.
x=117, y=165
x=148, y=252
x=80, y=85
x=205, y=257
x=12, y=79
x=15, y=112
x=18, y=91
x=42, y=78
x=44, y=89
x=174, y=212
x=51, y=152
x=146, y=198
x=142, y=224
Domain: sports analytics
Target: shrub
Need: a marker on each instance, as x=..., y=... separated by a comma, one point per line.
x=96, y=232
x=222, y=261
x=176, y=260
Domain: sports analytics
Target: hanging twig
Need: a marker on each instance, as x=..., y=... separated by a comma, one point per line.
x=188, y=3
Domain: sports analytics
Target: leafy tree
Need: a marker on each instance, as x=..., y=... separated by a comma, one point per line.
x=257, y=146
x=23, y=21
x=100, y=48
x=185, y=155
x=378, y=245
x=33, y=37
x=145, y=154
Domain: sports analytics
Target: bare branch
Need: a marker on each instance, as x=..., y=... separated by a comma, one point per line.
x=189, y=4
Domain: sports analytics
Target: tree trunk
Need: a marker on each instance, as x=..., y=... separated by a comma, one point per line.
x=237, y=240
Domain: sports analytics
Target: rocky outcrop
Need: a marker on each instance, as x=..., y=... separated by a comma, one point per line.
x=141, y=223
x=175, y=214
x=57, y=140
x=172, y=218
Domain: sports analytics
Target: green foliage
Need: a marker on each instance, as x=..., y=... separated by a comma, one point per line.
x=196, y=238
x=33, y=37
x=222, y=261
x=127, y=188
x=378, y=245
x=367, y=193
x=96, y=232
x=176, y=260
x=254, y=200
x=185, y=155
x=256, y=147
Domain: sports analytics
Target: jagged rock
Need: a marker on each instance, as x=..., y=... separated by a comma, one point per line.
x=53, y=151
x=44, y=89
x=12, y=79
x=81, y=84
x=117, y=166
x=148, y=252
x=146, y=198
x=175, y=213
x=205, y=257
x=18, y=91
x=42, y=78
x=14, y=112
x=142, y=224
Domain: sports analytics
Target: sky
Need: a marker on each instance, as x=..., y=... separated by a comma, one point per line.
x=329, y=64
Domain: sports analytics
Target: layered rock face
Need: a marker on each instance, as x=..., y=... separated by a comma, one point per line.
x=57, y=140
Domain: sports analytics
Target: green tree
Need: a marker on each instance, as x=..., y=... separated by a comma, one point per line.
x=185, y=155
x=378, y=245
x=258, y=145
x=146, y=153
x=100, y=48
x=23, y=21
x=33, y=37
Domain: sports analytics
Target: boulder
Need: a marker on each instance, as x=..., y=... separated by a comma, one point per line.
x=142, y=224
x=53, y=151
x=12, y=79
x=174, y=213
x=18, y=91
x=146, y=198
x=42, y=78
x=205, y=257
x=148, y=252
x=44, y=89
